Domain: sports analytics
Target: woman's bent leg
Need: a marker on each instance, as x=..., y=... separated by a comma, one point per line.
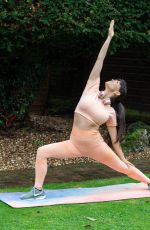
x=64, y=149
x=105, y=155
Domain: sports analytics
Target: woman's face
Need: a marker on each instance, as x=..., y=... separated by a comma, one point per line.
x=113, y=85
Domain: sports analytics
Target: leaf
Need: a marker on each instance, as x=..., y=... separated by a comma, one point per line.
x=41, y=36
x=90, y=218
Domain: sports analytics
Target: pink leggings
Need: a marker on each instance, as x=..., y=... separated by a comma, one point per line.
x=83, y=143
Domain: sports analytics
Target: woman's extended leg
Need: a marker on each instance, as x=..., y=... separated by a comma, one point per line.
x=105, y=155
x=64, y=149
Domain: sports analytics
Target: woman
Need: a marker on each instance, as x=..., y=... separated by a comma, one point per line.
x=93, y=110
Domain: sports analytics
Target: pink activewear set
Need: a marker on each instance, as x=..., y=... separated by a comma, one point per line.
x=88, y=142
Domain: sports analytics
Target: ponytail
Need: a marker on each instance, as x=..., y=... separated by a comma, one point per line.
x=120, y=110
x=120, y=115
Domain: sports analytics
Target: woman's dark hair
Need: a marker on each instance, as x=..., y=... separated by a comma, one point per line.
x=120, y=110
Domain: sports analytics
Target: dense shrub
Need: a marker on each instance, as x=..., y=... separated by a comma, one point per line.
x=33, y=33
x=137, y=137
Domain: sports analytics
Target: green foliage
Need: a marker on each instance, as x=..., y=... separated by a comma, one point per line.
x=61, y=105
x=137, y=137
x=138, y=125
x=34, y=22
x=19, y=84
x=33, y=33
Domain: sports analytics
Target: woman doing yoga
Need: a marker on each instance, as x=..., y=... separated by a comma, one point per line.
x=94, y=109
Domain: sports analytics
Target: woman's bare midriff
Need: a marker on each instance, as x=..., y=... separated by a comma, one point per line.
x=83, y=123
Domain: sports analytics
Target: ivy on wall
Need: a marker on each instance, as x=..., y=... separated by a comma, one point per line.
x=33, y=33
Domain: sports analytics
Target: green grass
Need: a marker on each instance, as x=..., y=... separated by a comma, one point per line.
x=133, y=214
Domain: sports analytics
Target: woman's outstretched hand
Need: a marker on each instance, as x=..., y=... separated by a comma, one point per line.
x=111, y=29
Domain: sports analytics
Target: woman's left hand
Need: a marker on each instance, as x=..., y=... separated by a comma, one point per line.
x=111, y=29
x=128, y=163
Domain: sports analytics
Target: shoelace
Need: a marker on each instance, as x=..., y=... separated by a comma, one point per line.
x=34, y=191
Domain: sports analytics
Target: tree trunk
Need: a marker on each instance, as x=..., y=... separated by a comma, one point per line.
x=38, y=107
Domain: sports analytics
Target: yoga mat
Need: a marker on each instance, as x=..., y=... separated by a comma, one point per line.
x=79, y=195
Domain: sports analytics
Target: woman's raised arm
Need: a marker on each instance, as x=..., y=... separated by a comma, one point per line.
x=95, y=73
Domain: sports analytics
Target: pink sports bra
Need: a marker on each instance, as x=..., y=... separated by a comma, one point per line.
x=92, y=107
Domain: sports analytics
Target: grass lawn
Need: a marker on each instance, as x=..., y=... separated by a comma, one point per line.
x=133, y=214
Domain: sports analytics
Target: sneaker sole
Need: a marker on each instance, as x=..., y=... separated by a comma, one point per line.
x=35, y=198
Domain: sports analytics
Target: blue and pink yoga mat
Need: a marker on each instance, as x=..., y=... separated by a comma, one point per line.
x=79, y=195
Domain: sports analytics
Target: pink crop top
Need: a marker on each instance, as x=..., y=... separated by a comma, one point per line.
x=91, y=106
